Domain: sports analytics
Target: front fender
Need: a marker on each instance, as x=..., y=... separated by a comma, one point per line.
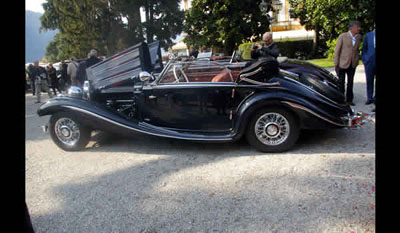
x=64, y=103
x=89, y=112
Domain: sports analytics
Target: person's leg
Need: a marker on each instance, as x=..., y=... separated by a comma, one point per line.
x=46, y=88
x=73, y=81
x=33, y=86
x=373, y=82
x=57, y=87
x=341, y=75
x=350, y=80
x=370, y=82
x=38, y=91
x=54, y=90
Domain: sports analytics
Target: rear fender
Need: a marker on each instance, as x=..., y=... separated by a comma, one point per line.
x=308, y=114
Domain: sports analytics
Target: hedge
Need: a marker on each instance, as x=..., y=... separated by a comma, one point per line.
x=300, y=49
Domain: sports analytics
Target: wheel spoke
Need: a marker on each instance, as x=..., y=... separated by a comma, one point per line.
x=272, y=129
x=67, y=131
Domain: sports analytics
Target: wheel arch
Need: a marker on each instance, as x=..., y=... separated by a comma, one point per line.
x=246, y=111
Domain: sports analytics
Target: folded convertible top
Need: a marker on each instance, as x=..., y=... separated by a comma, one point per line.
x=118, y=69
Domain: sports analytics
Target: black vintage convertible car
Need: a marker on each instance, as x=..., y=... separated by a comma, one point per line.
x=267, y=101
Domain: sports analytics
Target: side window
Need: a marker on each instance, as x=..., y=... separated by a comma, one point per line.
x=197, y=72
x=168, y=77
x=208, y=72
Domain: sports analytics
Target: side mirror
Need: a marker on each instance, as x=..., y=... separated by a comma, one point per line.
x=144, y=76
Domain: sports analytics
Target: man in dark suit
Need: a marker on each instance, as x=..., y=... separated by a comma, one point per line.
x=347, y=57
x=93, y=59
x=267, y=49
x=83, y=65
x=368, y=58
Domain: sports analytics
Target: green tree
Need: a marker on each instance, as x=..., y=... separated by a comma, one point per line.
x=330, y=18
x=164, y=20
x=79, y=23
x=52, y=51
x=87, y=24
x=225, y=23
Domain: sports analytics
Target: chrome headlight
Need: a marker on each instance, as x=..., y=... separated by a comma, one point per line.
x=86, y=86
x=86, y=90
x=75, y=91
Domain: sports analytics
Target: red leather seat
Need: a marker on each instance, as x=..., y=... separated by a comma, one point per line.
x=223, y=76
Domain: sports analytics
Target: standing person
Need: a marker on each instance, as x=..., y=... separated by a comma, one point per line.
x=26, y=80
x=368, y=58
x=64, y=75
x=41, y=82
x=267, y=49
x=347, y=57
x=193, y=52
x=81, y=74
x=31, y=72
x=71, y=71
x=51, y=71
x=83, y=65
x=93, y=59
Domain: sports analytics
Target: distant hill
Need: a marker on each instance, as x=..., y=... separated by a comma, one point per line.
x=35, y=42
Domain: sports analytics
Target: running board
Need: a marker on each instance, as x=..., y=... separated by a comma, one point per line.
x=146, y=128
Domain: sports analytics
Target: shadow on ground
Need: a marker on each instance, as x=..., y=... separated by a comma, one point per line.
x=157, y=196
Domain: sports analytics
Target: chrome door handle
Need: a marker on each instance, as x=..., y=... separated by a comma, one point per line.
x=152, y=97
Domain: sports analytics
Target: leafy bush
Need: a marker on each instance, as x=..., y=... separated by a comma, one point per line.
x=330, y=53
x=292, y=49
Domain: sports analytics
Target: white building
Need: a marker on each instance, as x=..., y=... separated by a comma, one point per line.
x=286, y=28
x=283, y=26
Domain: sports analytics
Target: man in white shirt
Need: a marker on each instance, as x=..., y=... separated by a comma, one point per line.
x=347, y=57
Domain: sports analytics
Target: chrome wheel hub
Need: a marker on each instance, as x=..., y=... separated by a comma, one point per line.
x=67, y=131
x=272, y=129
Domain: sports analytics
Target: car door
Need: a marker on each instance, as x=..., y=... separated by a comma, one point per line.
x=189, y=101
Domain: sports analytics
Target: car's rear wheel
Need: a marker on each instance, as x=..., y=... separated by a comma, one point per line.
x=273, y=130
x=67, y=132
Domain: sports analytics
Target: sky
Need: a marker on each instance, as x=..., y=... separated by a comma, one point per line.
x=34, y=5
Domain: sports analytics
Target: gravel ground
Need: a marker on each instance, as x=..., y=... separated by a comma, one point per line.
x=326, y=183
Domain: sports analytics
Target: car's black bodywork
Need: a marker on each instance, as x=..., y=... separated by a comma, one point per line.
x=201, y=100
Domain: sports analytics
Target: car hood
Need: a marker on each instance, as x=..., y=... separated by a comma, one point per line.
x=119, y=69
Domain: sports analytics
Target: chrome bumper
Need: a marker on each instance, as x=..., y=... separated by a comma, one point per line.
x=45, y=128
x=356, y=120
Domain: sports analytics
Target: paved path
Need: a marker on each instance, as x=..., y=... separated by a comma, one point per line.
x=326, y=183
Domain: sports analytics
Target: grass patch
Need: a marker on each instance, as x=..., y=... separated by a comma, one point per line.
x=326, y=62
x=323, y=62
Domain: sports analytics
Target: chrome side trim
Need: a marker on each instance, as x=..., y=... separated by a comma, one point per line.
x=142, y=131
x=251, y=73
x=260, y=83
x=312, y=112
x=194, y=84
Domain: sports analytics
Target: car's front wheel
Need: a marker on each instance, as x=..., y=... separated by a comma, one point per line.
x=273, y=130
x=68, y=132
